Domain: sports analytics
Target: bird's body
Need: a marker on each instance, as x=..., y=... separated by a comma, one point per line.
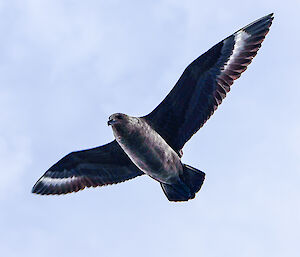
x=147, y=149
x=153, y=144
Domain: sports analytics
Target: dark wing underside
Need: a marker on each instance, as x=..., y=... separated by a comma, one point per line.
x=104, y=165
x=205, y=83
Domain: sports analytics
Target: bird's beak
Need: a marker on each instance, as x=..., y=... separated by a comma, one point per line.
x=111, y=122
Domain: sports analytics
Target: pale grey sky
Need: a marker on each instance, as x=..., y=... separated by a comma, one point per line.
x=67, y=65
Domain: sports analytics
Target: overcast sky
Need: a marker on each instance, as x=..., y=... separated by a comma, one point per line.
x=65, y=66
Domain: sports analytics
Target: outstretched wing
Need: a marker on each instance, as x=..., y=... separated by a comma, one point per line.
x=104, y=165
x=205, y=83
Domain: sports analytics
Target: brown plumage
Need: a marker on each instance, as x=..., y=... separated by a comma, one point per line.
x=153, y=144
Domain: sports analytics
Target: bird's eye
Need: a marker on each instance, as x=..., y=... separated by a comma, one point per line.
x=119, y=117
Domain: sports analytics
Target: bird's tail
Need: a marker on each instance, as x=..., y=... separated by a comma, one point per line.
x=191, y=182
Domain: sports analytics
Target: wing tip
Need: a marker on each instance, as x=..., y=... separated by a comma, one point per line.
x=44, y=186
x=259, y=24
x=36, y=189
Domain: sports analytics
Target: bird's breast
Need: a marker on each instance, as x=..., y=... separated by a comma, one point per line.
x=149, y=152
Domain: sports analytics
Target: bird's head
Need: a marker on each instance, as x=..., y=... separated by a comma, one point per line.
x=117, y=118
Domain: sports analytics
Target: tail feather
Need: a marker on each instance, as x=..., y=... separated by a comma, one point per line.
x=193, y=178
x=190, y=183
x=177, y=192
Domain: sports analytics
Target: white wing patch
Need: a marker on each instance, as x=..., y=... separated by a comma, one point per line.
x=58, y=181
x=239, y=37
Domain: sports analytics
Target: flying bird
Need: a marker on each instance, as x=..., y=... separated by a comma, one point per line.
x=152, y=144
